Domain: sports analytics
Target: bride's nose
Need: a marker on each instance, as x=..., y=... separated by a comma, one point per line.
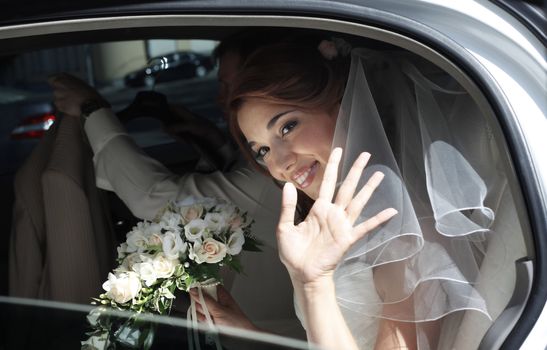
x=283, y=159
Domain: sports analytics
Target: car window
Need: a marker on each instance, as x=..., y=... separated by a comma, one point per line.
x=65, y=326
x=184, y=72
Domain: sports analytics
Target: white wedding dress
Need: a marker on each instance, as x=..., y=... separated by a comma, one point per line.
x=423, y=265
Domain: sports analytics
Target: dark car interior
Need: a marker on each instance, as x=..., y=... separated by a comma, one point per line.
x=145, y=113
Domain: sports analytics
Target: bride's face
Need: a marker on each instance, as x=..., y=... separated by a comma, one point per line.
x=293, y=144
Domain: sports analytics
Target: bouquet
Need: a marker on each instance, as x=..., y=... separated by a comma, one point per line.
x=184, y=247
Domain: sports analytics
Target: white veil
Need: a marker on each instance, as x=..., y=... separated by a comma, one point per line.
x=422, y=264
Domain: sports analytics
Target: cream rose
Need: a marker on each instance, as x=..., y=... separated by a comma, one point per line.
x=123, y=287
x=163, y=266
x=210, y=251
x=146, y=272
x=155, y=239
x=190, y=213
x=136, y=241
x=235, y=242
x=236, y=221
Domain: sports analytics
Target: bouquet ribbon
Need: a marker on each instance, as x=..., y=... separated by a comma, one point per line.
x=193, y=336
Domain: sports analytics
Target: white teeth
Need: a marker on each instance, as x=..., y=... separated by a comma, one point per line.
x=302, y=178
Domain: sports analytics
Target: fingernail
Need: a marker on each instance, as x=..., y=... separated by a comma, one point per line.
x=391, y=212
x=364, y=157
x=378, y=176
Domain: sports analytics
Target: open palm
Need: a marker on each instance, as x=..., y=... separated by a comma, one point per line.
x=312, y=249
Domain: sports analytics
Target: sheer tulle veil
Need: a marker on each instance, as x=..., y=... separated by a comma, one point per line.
x=422, y=265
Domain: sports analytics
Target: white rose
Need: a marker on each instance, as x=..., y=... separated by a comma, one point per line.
x=163, y=266
x=136, y=241
x=235, y=242
x=191, y=212
x=173, y=246
x=152, y=229
x=210, y=251
x=207, y=203
x=195, y=229
x=170, y=220
x=215, y=221
x=146, y=272
x=130, y=260
x=123, y=287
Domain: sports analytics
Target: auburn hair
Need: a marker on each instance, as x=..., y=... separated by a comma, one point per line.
x=294, y=73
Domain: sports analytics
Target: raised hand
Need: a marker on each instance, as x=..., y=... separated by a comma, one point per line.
x=70, y=92
x=312, y=249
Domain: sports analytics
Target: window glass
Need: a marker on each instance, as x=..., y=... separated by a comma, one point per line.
x=185, y=74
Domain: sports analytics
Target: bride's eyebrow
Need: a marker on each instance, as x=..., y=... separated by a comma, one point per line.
x=274, y=119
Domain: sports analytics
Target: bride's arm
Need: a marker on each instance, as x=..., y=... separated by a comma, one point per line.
x=396, y=335
x=324, y=321
x=312, y=249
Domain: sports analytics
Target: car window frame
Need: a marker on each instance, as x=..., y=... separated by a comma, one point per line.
x=414, y=37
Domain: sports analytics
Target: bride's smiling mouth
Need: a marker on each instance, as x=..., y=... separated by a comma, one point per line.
x=305, y=175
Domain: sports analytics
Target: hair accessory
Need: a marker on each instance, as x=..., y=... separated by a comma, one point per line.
x=328, y=49
x=334, y=47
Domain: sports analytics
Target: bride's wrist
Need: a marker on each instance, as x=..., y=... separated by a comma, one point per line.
x=317, y=287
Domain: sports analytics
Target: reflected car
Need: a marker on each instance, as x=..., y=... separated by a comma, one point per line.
x=170, y=67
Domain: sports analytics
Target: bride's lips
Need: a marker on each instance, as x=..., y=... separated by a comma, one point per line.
x=305, y=175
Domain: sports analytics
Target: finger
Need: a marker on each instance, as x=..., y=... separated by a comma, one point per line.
x=328, y=185
x=199, y=308
x=360, y=200
x=375, y=221
x=201, y=317
x=346, y=191
x=288, y=205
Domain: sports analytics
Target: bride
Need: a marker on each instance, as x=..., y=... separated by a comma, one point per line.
x=387, y=257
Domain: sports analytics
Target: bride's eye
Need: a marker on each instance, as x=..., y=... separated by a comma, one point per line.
x=261, y=153
x=288, y=127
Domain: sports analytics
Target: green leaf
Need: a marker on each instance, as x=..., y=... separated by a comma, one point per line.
x=252, y=245
x=234, y=264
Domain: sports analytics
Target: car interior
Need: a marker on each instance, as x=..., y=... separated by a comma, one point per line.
x=50, y=170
